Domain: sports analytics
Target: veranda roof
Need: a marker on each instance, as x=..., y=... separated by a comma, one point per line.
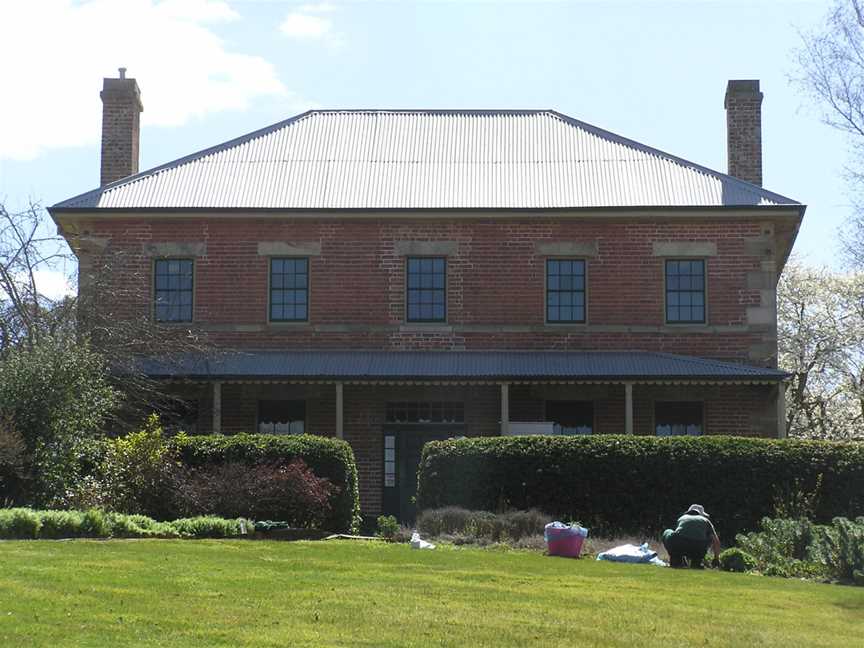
x=605, y=366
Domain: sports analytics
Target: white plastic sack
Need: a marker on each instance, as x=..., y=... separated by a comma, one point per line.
x=630, y=553
x=558, y=529
x=418, y=543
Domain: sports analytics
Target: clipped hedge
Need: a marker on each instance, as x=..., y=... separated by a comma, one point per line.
x=30, y=524
x=631, y=484
x=330, y=458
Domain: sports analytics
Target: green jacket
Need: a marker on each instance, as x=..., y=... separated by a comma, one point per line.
x=695, y=527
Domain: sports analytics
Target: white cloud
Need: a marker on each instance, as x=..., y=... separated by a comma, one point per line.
x=55, y=53
x=201, y=11
x=53, y=284
x=311, y=22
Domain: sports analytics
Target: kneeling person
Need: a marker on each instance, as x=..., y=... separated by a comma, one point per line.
x=691, y=539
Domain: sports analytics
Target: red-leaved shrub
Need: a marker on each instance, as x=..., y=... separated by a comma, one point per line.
x=266, y=491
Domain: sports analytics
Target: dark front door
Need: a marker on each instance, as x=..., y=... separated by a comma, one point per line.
x=400, y=493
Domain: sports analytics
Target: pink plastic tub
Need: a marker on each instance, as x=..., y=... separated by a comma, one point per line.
x=565, y=541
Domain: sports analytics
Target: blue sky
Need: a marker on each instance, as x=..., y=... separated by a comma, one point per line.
x=209, y=71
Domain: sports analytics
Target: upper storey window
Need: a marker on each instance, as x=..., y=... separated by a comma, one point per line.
x=427, y=289
x=685, y=292
x=173, y=290
x=289, y=290
x=565, y=290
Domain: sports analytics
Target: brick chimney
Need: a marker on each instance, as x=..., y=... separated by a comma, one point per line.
x=743, y=105
x=121, y=111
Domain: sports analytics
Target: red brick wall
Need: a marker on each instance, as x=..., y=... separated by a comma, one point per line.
x=741, y=410
x=495, y=283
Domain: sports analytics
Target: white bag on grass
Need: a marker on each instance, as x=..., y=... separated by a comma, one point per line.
x=418, y=543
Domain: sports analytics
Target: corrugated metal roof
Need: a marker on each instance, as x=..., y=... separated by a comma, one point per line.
x=497, y=365
x=427, y=159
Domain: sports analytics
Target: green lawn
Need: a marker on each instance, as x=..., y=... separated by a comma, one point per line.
x=242, y=593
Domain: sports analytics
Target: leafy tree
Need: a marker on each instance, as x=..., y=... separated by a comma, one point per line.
x=67, y=365
x=56, y=395
x=821, y=343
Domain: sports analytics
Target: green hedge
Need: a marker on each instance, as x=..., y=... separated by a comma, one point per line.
x=30, y=524
x=631, y=484
x=327, y=457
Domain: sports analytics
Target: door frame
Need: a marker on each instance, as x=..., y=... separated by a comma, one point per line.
x=391, y=500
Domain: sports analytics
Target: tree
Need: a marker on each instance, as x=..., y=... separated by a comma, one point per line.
x=69, y=370
x=821, y=343
x=830, y=69
x=25, y=314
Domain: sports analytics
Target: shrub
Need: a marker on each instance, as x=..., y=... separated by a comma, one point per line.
x=471, y=526
x=801, y=549
x=736, y=560
x=56, y=395
x=778, y=541
x=840, y=546
x=60, y=524
x=19, y=523
x=137, y=473
x=274, y=491
x=208, y=526
x=140, y=526
x=328, y=458
x=624, y=481
x=140, y=473
x=94, y=524
x=388, y=527
x=22, y=523
x=13, y=459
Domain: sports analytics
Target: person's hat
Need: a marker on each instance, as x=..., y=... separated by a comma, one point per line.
x=698, y=510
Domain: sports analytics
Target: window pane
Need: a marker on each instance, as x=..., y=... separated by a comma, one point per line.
x=685, y=291
x=173, y=290
x=675, y=418
x=425, y=412
x=565, y=288
x=281, y=417
x=426, y=292
x=571, y=417
x=289, y=289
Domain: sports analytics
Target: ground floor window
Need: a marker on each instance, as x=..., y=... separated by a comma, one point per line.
x=678, y=418
x=281, y=416
x=571, y=417
x=426, y=412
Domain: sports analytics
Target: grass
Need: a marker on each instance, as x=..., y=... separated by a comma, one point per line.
x=241, y=593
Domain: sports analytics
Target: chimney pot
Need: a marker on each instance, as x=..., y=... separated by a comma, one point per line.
x=121, y=113
x=743, y=104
